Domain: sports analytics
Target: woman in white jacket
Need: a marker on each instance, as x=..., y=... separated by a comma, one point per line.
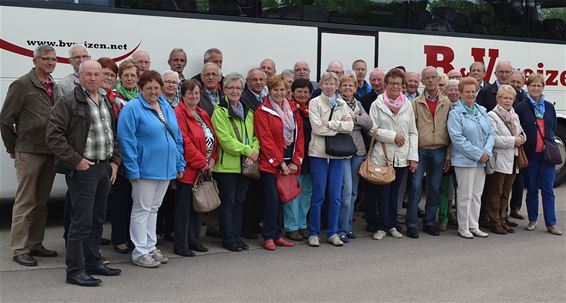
x=509, y=136
x=394, y=120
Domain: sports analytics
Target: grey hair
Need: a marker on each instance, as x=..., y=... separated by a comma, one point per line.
x=478, y=63
x=452, y=82
x=170, y=72
x=177, y=50
x=431, y=68
x=208, y=53
x=233, y=77
x=329, y=76
x=42, y=49
x=516, y=71
x=75, y=46
x=288, y=73
x=210, y=64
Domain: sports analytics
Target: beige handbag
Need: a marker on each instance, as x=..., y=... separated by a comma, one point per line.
x=376, y=174
x=205, y=194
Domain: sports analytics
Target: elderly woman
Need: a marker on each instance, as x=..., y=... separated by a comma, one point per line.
x=171, y=87
x=237, y=143
x=199, y=144
x=443, y=80
x=538, y=119
x=128, y=74
x=295, y=212
x=350, y=177
x=451, y=90
x=394, y=121
x=279, y=129
x=152, y=151
x=472, y=138
x=509, y=136
x=325, y=168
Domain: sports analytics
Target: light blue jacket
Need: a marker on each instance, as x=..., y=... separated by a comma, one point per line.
x=148, y=150
x=470, y=136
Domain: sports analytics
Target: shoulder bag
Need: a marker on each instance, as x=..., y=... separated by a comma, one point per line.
x=373, y=173
x=551, y=150
x=341, y=144
x=164, y=123
x=205, y=194
x=288, y=187
x=251, y=171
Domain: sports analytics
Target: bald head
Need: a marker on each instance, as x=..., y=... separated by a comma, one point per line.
x=336, y=67
x=377, y=80
x=141, y=60
x=268, y=67
x=503, y=70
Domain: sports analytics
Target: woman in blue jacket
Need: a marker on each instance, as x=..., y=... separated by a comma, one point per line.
x=472, y=139
x=152, y=148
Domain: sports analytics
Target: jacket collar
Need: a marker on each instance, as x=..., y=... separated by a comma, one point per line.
x=162, y=102
x=35, y=80
x=185, y=111
x=225, y=104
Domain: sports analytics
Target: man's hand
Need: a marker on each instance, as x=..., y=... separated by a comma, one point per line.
x=114, y=167
x=83, y=165
x=447, y=165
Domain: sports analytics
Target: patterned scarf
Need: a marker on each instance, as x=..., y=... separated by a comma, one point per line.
x=303, y=107
x=128, y=95
x=473, y=111
x=508, y=117
x=538, y=106
x=394, y=105
x=351, y=103
x=284, y=111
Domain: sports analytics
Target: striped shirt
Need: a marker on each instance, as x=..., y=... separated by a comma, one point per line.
x=100, y=139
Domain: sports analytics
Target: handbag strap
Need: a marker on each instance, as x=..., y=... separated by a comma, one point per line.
x=383, y=148
x=235, y=127
x=164, y=123
x=331, y=112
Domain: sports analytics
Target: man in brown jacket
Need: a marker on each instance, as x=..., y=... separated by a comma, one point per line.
x=431, y=116
x=23, y=121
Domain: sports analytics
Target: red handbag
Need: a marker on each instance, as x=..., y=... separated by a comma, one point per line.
x=288, y=187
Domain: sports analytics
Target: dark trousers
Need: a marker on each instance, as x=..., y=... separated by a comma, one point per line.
x=500, y=186
x=66, y=214
x=387, y=201
x=166, y=214
x=517, y=194
x=187, y=220
x=272, y=208
x=120, y=202
x=88, y=192
x=370, y=204
x=253, y=207
x=233, y=189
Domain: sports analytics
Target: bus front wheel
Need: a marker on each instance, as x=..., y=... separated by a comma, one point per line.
x=561, y=141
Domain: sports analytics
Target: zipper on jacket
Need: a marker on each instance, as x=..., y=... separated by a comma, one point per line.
x=221, y=156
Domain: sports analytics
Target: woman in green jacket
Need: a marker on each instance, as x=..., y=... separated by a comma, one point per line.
x=233, y=125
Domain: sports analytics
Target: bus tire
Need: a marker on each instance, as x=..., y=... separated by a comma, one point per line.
x=561, y=141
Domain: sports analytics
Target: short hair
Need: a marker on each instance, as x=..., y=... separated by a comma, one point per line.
x=535, y=77
x=208, y=53
x=82, y=64
x=149, y=76
x=358, y=61
x=74, y=46
x=210, y=64
x=275, y=80
x=518, y=72
x=233, y=77
x=288, y=73
x=301, y=83
x=189, y=85
x=452, y=82
x=108, y=63
x=428, y=68
x=394, y=73
x=348, y=77
x=402, y=68
x=329, y=76
x=170, y=72
x=505, y=88
x=177, y=50
x=478, y=63
x=126, y=64
x=44, y=48
x=467, y=81
x=443, y=76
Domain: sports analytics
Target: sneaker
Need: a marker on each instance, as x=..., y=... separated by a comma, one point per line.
x=394, y=233
x=146, y=261
x=465, y=234
x=553, y=229
x=344, y=238
x=314, y=241
x=158, y=256
x=335, y=240
x=531, y=226
x=380, y=234
x=478, y=233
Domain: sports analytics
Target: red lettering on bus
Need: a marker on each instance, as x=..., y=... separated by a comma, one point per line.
x=432, y=52
x=479, y=54
x=552, y=77
x=563, y=78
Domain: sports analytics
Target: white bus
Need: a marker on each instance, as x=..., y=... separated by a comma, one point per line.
x=445, y=34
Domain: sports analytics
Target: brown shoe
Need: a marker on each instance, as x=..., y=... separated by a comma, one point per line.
x=25, y=260
x=304, y=233
x=553, y=229
x=442, y=227
x=508, y=228
x=498, y=229
x=43, y=252
x=294, y=235
x=515, y=213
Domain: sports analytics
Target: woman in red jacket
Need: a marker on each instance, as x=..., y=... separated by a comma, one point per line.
x=199, y=143
x=279, y=129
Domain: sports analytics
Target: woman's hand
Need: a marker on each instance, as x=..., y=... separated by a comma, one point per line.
x=254, y=155
x=325, y=123
x=293, y=168
x=399, y=140
x=211, y=164
x=180, y=175
x=248, y=161
x=413, y=166
x=284, y=168
x=484, y=158
x=519, y=140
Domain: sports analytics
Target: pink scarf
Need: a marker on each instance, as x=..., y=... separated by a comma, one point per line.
x=286, y=115
x=396, y=105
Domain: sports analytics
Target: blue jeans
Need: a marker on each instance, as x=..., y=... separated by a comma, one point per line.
x=540, y=175
x=295, y=212
x=387, y=201
x=350, y=180
x=431, y=161
x=323, y=172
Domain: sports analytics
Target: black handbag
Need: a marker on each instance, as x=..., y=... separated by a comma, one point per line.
x=341, y=144
x=551, y=151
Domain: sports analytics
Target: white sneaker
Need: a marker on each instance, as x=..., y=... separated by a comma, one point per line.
x=314, y=241
x=478, y=233
x=158, y=256
x=395, y=233
x=146, y=261
x=465, y=234
x=380, y=234
x=335, y=240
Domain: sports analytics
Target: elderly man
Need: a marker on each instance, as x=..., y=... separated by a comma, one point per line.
x=412, y=90
x=454, y=74
x=23, y=120
x=212, y=55
x=77, y=54
x=431, y=116
x=211, y=93
x=376, y=80
x=517, y=81
x=81, y=135
x=142, y=61
x=253, y=95
x=268, y=67
x=486, y=95
x=303, y=71
x=360, y=67
x=477, y=71
x=178, y=61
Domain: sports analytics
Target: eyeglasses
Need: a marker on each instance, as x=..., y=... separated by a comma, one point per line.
x=169, y=82
x=505, y=72
x=49, y=59
x=256, y=79
x=85, y=57
x=233, y=88
x=210, y=75
x=536, y=85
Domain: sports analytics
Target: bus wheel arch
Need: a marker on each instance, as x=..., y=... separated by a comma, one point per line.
x=561, y=141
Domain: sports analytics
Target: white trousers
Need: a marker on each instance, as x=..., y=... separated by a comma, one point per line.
x=470, y=187
x=147, y=196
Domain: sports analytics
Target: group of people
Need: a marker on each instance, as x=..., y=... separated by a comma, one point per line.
x=137, y=141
